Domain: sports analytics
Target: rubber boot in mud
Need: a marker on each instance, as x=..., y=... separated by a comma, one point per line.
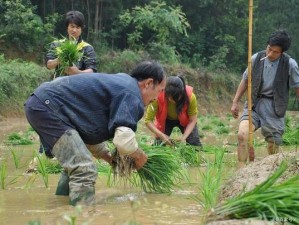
x=77, y=161
x=63, y=184
x=82, y=196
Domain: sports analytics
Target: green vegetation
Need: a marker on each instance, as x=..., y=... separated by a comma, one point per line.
x=4, y=176
x=212, y=176
x=268, y=201
x=161, y=173
x=68, y=53
x=18, y=79
x=291, y=134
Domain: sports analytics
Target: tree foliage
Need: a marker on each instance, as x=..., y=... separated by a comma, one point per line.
x=21, y=26
x=217, y=35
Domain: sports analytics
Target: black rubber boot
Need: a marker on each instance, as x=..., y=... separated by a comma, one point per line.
x=63, y=184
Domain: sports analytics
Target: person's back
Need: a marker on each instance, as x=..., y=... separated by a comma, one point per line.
x=96, y=98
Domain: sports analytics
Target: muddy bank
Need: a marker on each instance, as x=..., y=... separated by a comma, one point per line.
x=255, y=173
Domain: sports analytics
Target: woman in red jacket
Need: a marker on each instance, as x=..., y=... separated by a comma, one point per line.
x=176, y=106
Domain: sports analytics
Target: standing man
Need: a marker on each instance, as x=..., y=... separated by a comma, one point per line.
x=273, y=73
x=75, y=114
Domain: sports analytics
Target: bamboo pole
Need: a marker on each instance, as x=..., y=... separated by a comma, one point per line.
x=250, y=138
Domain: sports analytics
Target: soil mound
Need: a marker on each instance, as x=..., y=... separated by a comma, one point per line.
x=254, y=174
x=257, y=172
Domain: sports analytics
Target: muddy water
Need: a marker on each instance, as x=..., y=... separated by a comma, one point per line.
x=27, y=199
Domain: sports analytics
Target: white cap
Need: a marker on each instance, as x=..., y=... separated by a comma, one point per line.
x=125, y=141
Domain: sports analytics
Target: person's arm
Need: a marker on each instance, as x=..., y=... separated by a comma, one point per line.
x=51, y=59
x=165, y=138
x=73, y=70
x=149, y=122
x=192, y=113
x=239, y=93
x=126, y=144
x=189, y=128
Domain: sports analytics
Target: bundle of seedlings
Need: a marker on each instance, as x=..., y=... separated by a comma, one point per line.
x=68, y=53
x=267, y=201
x=189, y=154
x=161, y=173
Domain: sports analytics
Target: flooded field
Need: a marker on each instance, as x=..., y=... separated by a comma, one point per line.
x=26, y=200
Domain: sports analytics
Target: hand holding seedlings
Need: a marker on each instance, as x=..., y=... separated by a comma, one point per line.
x=139, y=157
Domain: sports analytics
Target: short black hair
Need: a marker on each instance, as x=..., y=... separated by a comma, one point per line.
x=281, y=39
x=75, y=17
x=149, y=69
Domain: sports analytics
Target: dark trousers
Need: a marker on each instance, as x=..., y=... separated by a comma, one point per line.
x=45, y=122
x=192, y=139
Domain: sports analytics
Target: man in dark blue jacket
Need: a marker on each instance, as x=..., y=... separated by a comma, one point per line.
x=71, y=114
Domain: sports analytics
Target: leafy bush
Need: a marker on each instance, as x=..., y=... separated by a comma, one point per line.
x=115, y=62
x=18, y=79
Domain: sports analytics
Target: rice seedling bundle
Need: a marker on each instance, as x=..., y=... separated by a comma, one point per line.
x=189, y=154
x=279, y=202
x=68, y=53
x=161, y=173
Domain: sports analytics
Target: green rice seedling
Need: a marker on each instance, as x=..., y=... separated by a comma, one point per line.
x=213, y=148
x=68, y=53
x=52, y=166
x=189, y=154
x=103, y=167
x=31, y=179
x=16, y=139
x=267, y=201
x=42, y=168
x=161, y=173
x=4, y=175
x=206, y=127
x=211, y=179
x=222, y=129
x=291, y=136
x=16, y=158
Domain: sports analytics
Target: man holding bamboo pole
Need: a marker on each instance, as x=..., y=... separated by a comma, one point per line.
x=273, y=73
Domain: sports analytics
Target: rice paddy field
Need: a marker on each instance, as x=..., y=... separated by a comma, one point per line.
x=185, y=194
